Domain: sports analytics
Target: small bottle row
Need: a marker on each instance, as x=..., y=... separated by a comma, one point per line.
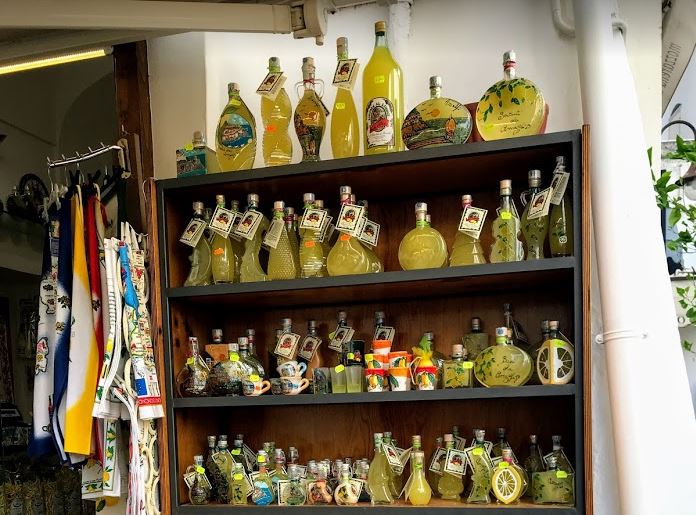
x=297, y=365
x=228, y=244
x=477, y=473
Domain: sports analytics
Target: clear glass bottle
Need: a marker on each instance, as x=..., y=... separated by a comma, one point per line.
x=311, y=250
x=450, y=486
x=362, y=469
x=481, y=471
x=263, y=494
x=519, y=335
x=534, y=230
x=511, y=107
x=276, y=115
x=213, y=471
x=383, y=98
x=562, y=460
x=282, y=260
x=534, y=462
x=422, y=247
x=503, y=364
x=250, y=268
x=500, y=444
x=347, y=256
x=318, y=491
x=437, y=121
x=509, y=481
x=506, y=229
x=310, y=119
x=458, y=372
x=235, y=138
x=239, y=485
x=466, y=249
x=225, y=464
x=325, y=245
x=553, y=486
x=297, y=494
x=201, y=273
x=344, y=493
x=316, y=361
x=279, y=474
x=237, y=243
x=345, y=128
x=290, y=218
x=378, y=477
x=375, y=263
x=476, y=340
x=199, y=491
x=555, y=362
x=192, y=380
x=253, y=357
x=223, y=258
x=244, y=357
x=561, y=221
x=227, y=376
x=419, y=492
x=396, y=483
x=434, y=477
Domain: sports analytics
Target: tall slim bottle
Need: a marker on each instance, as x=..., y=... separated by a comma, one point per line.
x=325, y=245
x=276, y=115
x=506, y=229
x=534, y=230
x=377, y=477
x=290, y=219
x=282, y=262
x=345, y=128
x=348, y=256
x=311, y=250
x=383, y=93
x=200, y=273
x=223, y=260
x=253, y=357
x=375, y=263
x=434, y=477
x=250, y=270
x=237, y=244
x=310, y=119
x=466, y=249
x=235, y=139
x=561, y=222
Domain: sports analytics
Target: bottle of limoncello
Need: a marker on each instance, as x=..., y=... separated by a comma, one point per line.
x=325, y=245
x=250, y=269
x=276, y=114
x=311, y=250
x=345, y=128
x=434, y=477
x=418, y=492
x=383, y=94
x=466, y=249
x=282, y=261
x=310, y=119
x=378, y=476
x=424, y=246
x=223, y=260
x=348, y=256
x=290, y=219
x=506, y=228
x=561, y=222
x=201, y=258
x=237, y=243
x=450, y=486
x=235, y=139
x=534, y=230
x=375, y=263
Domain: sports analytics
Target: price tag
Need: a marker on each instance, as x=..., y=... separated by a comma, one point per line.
x=286, y=345
x=472, y=221
x=539, y=204
x=561, y=474
x=254, y=378
x=275, y=231
x=271, y=85
x=437, y=461
x=468, y=365
x=503, y=465
x=339, y=369
x=350, y=218
x=222, y=221
x=369, y=233
x=248, y=224
x=506, y=215
x=346, y=73
x=559, y=183
x=193, y=232
x=234, y=357
x=236, y=452
x=477, y=451
x=200, y=469
x=190, y=361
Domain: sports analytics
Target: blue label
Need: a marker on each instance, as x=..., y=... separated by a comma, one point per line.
x=262, y=494
x=235, y=131
x=141, y=387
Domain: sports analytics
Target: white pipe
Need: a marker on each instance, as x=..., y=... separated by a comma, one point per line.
x=648, y=386
x=562, y=25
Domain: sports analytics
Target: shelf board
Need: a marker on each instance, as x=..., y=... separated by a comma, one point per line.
x=435, y=506
x=365, y=397
x=383, y=286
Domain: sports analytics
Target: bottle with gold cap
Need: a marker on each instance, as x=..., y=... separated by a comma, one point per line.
x=506, y=228
x=345, y=128
x=534, y=230
x=383, y=97
x=235, y=139
x=200, y=273
x=466, y=249
x=282, y=260
x=348, y=256
x=223, y=260
x=423, y=246
x=276, y=115
x=310, y=118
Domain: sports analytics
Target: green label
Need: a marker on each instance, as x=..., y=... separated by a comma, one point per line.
x=468, y=364
x=561, y=474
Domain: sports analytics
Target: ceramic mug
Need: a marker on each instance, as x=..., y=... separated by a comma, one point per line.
x=425, y=378
x=381, y=347
x=377, y=361
x=399, y=359
x=255, y=386
x=293, y=385
x=400, y=379
x=291, y=369
x=276, y=386
x=376, y=380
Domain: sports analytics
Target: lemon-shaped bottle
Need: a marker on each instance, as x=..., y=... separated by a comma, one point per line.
x=555, y=363
x=418, y=491
x=510, y=107
x=508, y=482
x=503, y=364
x=235, y=138
x=424, y=246
x=466, y=249
x=345, y=128
x=276, y=115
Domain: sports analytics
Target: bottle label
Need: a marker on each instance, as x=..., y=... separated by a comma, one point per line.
x=271, y=85
x=472, y=221
x=460, y=442
x=193, y=232
x=234, y=131
x=559, y=183
x=369, y=233
x=393, y=458
x=384, y=333
x=275, y=231
x=342, y=335
x=539, y=204
x=309, y=347
x=561, y=474
x=248, y=224
x=350, y=219
x=438, y=460
x=346, y=73
x=222, y=221
x=309, y=128
x=262, y=495
x=455, y=462
x=286, y=345
x=327, y=229
x=339, y=106
x=379, y=120
x=313, y=219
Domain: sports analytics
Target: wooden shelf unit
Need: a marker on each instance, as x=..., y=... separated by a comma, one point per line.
x=441, y=300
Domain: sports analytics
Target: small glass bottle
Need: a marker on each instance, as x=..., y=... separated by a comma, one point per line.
x=237, y=243
x=434, y=477
x=458, y=371
x=378, y=478
x=212, y=468
x=503, y=364
x=396, y=483
x=223, y=258
x=422, y=247
x=199, y=491
x=310, y=119
x=345, y=128
x=362, y=469
x=192, y=380
x=375, y=263
x=253, y=358
x=325, y=245
x=553, y=486
x=239, y=485
x=534, y=351
x=562, y=460
x=263, y=494
x=347, y=256
x=279, y=473
x=481, y=471
x=506, y=229
x=437, y=121
x=235, y=138
x=282, y=261
x=418, y=492
x=535, y=461
x=318, y=491
x=225, y=464
x=450, y=486
x=316, y=361
x=276, y=114
x=250, y=269
x=509, y=480
x=201, y=272
x=227, y=375
x=344, y=493
x=519, y=336
x=311, y=251
x=561, y=221
x=536, y=229
x=466, y=249
x=502, y=443
x=297, y=495
x=476, y=340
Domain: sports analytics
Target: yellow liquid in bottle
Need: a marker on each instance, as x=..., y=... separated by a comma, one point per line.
x=466, y=250
x=276, y=115
x=383, y=108
x=311, y=256
x=561, y=229
x=345, y=129
x=223, y=260
x=201, y=264
x=378, y=480
x=450, y=486
x=506, y=232
x=250, y=269
x=423, y=247
x=534, y=232
x=348, y=257
x=282, y=260
x=235, y=139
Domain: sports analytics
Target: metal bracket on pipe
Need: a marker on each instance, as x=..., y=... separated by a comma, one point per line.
x=620, y=334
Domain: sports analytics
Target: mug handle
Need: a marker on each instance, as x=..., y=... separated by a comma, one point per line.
x=412, y=367
x=302, y=366
x=266, y=385
x=304, y=383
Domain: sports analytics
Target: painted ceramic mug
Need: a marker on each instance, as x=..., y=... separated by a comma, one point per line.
x=381, y=347
x=293, y=385
x=276, y=386
x=399, y=359
x=425, y=378
x=255, y=386
x=377, y=361
x=291, y=369
x=400, y=379
x=376, y=380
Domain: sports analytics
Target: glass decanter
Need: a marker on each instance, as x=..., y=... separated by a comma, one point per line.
x=481, y=470
x=239, y=485
x=310, y=119
x=536, y=229
x=250, y=269
x=503, y=364
x=561, y=221
x=275, y=115
x=282, y=262
x=345, y=494
x=297, y=495
x=476, y=340
x=347, y=256
x=235, y=138
x=450, y=486
x=422, y=247
x=506, y=229
x=192, y=380
x=466, y=249
x=535, y=461
x=199, y=491
x=553, y=486
x=318, y=491
x=200, y=273
x=263, y=494
x=345, y=128
x=279, y=474
x=311, y=250
x=227, y=375
x=223, y=258
x=457, y=372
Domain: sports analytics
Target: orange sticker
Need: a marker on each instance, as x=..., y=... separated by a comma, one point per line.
x=219, y=251
x=344, y=237
x=309, y=244
x=270, y=128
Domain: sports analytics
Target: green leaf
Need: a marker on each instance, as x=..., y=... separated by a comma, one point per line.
x=681, y=146
x=673, y=245
x=687, y=345
x=497, y=93
x=674, y=217
x=691, y=313
x=650, y=156
x=500, y=104
x=515, y=101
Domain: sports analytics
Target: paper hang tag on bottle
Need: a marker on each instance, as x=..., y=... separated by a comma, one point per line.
x=370, y=232
x=287, y=343
x=302, y=469
x=346, y=73
x=308, y=347
x=193, y=232
x=350, y=218
x=283, y=491
x=341, y=335
x=437, y=461
x=275, y=231
x=455, y=462
x=327, y=230
x=357, y=485
x=459, y=442
x=326, y=110
x=235, y=224
x=392, y=458
x=539, y=204
x=472, y=221
x=384, y=333
x=271, y=85
x=222, y=221
x=249, y=456
x=559, y=183
x=248, y=224
x=313, y=219
x=189, y=478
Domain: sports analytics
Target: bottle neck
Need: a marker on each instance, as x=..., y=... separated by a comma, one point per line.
x=342, y=55
x=505, y=203
x=435, y=92
x=509, y=71
x=308, y=82
x=381, y=40
x=278, y=214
